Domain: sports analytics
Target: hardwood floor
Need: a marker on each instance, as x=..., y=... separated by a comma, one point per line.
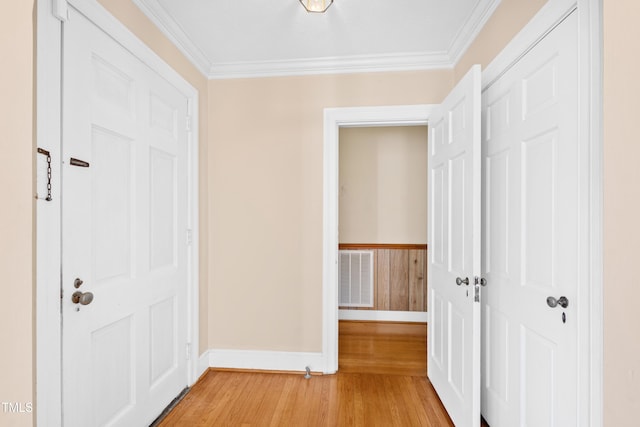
x=382, y=348
x=381, y=382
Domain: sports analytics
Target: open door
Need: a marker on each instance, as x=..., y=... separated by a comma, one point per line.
x=454, y=251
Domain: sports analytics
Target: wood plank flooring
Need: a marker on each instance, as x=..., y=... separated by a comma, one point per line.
x=381, y=382
x=382, y=348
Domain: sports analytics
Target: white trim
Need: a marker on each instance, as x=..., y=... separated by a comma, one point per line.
x=313, y=66
x=264, y=360
x=384, y=316
x=591, y=128
x=193, y=223
x=332, y=65
x=60, y=9
x=551, y=14
x=48, y=317
x=334, y=118
x=170, y=28
x=203, y=363
x=48, y=257
x=471, y=29
x=590, y=332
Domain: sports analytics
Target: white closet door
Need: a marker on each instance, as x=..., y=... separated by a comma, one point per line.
x=124, y=224
x=531, y=239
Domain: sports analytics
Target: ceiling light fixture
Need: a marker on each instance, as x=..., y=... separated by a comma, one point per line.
x=318, y=6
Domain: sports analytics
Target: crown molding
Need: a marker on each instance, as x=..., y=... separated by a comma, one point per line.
x=174, y=32
x=410, y=61
x=471, y=28
x=332, y=65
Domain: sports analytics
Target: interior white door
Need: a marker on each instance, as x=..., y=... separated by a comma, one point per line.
x=124, y=224
x=531, y=237
x=454, y=248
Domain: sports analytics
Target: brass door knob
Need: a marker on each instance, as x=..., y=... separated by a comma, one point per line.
x=83, y=298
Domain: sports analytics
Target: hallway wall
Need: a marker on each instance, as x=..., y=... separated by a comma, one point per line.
x=17, y=247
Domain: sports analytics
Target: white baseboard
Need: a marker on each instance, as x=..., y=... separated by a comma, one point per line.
x=385, y=316
x=203, y=363
x=290, y=360
x=261, y=360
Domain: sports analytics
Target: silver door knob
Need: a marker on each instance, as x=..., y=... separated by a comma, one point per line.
x=460, y=281
x=562, y=302
x=83, y=298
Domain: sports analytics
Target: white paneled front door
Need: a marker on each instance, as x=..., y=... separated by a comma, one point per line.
x=531, y=231
x=124, y=222
x=454, y=251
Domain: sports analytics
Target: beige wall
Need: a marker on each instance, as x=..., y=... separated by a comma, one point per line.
x=129, y=14
x=383, y=185
x=621, y=213
x=266, y=211
x=16, y=215
x=506, y=22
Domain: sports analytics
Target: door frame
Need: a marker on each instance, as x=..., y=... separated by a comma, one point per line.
x=50, y=16
x=334, y=119
x=590, y=399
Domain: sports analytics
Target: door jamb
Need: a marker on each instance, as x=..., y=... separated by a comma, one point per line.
x=334, y=119
x=48, y=353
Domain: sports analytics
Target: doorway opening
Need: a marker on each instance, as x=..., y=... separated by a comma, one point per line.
x=334, y=120
x=382, y=249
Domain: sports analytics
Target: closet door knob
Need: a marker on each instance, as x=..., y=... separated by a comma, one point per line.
x=460, y=281
x=562, y=302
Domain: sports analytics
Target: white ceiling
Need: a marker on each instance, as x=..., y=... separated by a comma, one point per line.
x=251, y=38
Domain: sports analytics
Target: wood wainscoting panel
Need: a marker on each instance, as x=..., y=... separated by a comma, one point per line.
x=417, y=280
x=367, y=246
x=399, y=280
x=381, y=281
x=400, y=276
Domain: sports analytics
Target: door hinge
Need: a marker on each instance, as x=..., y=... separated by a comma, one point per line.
x=60, y=9
x=189, y=237
x=478, y=281
x=187, y=352
x=188, y=124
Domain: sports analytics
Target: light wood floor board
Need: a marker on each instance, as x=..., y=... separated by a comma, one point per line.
x=388, y=388
x=247, y=399
x=382, y=348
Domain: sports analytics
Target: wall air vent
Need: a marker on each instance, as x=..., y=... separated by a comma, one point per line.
x=356, y=278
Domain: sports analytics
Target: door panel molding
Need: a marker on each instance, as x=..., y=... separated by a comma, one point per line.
x=48, y=216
